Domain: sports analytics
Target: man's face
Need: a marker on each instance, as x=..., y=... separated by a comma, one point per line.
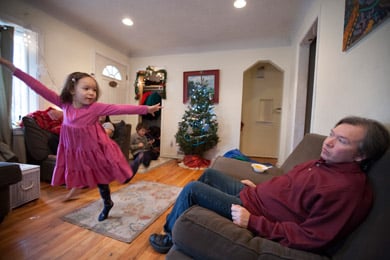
x=342, y=144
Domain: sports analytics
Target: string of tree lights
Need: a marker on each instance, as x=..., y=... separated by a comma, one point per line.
x=197, y=131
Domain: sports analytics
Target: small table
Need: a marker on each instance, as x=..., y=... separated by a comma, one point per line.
x=28, y=188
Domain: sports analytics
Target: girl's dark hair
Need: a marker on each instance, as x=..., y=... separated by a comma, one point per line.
x=376, y=141
x=70, y=83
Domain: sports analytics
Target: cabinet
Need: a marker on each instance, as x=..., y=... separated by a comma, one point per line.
x=28, y=188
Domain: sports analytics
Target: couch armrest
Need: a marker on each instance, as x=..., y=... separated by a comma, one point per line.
x=243, y=170
x=10, y=173
x=203, y=234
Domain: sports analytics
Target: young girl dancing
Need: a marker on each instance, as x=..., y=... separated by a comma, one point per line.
x=86, y=156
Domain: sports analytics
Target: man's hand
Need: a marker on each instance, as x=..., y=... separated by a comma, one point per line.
x=240, y=215
x=248, y=183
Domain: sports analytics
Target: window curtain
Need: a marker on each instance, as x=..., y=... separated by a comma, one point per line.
x=6, y=51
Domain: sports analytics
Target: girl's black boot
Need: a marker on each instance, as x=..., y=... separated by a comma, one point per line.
x=108, y=203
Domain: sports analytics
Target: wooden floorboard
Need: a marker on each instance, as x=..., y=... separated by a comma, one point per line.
x=36, y=231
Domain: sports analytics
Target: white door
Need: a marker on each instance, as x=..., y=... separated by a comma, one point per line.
x=261, y=111
x=113, y=82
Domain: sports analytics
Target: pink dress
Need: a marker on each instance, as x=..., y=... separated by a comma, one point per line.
x=86, y=156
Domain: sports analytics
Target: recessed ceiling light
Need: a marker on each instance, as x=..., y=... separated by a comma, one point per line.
x=127, y=21
x=239, y=3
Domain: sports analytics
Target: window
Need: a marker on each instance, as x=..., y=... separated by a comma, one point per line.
x=112, y=72
x=24, y=100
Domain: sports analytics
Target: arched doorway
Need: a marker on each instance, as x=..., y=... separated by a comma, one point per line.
x=261, y=110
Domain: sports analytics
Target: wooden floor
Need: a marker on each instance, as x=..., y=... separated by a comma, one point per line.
x=35, y=230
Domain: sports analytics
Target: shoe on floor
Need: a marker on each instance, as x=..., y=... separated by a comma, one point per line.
x=107, y=207
x=161, y=243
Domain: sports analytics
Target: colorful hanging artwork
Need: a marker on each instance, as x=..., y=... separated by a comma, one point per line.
x=361, y=17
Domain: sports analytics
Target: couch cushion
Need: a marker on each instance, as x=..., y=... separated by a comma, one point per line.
x=176, y=254
x=203, y=234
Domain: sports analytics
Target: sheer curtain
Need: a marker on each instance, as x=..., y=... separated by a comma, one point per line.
x=6, y=51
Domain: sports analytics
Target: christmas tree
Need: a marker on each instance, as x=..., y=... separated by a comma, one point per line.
x=198, y=129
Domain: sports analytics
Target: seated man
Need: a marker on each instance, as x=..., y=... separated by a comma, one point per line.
x=312, y=207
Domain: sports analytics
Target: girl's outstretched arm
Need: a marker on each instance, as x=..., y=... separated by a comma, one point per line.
x=154, y=108
x=34, y=84
x=7, y=64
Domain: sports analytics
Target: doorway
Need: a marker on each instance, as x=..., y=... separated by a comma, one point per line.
x=261, y=110
x=112, y=78
x=305, y=97
x=310, y=84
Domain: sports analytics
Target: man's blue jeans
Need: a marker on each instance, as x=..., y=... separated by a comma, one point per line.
x=214, y=191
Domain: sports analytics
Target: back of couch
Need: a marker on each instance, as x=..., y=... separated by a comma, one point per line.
x=36, y=141
x=308, y=149
x=370, y=239
x=121, y=136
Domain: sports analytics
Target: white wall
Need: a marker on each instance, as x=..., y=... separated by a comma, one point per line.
x=62, y=49
x=232, y=65
x=355, y=82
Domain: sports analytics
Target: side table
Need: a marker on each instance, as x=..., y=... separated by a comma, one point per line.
x=28, y=188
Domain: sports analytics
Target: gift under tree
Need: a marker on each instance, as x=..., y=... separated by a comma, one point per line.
x=198, y=129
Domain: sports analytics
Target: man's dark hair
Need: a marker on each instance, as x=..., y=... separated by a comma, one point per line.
x=376, y=141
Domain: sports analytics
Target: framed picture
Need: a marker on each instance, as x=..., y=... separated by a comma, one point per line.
x=361, y=17
x=205, y=78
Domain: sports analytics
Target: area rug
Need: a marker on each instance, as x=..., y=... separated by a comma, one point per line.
x=153, y=164
x=136, y=207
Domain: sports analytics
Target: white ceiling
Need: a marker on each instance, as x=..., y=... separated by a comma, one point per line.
x=181, y=26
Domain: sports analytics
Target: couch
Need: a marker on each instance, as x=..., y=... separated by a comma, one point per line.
x=39, y=151
x=10, y=173
x=203, y=234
